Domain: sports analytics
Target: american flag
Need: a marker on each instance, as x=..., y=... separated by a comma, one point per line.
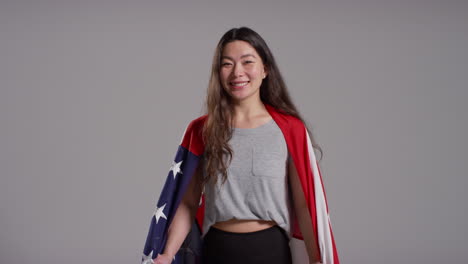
x=180, y=172
x=188, y=155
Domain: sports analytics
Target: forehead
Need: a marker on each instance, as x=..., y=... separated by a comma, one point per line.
x=239, y=49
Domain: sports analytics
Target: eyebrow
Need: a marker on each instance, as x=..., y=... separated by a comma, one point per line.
x=243, y=56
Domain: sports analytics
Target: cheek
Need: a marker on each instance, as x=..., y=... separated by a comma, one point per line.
x=223, y=75
x=257, y=72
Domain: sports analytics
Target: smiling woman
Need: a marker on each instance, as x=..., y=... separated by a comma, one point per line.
x=245, y=186
x=242, y=70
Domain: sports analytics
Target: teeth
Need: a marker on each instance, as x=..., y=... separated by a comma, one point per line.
x=239, y=84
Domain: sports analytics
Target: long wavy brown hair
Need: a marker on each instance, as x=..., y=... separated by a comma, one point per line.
x=217, y=127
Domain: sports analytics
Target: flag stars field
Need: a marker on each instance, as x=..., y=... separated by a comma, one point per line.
x=175, y=168
x=148, y=259
x=158, y=213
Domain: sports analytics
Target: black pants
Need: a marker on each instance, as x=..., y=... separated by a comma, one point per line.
x=269, y=245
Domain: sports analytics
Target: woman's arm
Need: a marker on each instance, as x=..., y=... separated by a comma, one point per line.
x=185, y=214
x=302, y=212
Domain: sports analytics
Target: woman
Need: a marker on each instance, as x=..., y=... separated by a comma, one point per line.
x=254, y=197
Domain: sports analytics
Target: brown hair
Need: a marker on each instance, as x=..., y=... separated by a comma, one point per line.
x=217, y=128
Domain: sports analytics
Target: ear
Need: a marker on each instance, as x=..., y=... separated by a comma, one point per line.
x=265, y=72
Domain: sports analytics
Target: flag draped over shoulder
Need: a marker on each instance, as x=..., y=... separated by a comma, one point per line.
x=186, y=160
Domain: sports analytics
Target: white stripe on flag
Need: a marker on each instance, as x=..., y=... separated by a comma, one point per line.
x=323, y=228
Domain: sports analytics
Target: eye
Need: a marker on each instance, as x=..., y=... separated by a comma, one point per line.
x=248, y=61
x=225, y=63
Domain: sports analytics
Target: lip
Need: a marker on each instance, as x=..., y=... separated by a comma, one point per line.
x=233, y=85
x=239, y=81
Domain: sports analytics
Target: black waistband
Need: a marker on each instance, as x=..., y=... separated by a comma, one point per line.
x=217, y=230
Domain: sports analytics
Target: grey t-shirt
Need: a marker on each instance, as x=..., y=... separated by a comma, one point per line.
x=257, y=184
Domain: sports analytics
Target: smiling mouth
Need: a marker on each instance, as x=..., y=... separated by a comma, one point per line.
x=238, y=84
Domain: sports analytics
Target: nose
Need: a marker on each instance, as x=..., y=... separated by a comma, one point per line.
x=238, y=70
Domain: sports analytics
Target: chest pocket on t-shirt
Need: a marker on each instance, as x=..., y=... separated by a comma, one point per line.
x=269, y=162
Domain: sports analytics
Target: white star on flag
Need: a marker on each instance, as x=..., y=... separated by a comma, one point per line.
x=175, y=168
x=148, y=259
x=158, y=213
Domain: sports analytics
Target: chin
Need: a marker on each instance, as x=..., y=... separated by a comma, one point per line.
x=243, y=97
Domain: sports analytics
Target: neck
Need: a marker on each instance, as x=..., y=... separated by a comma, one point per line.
x=249, y=110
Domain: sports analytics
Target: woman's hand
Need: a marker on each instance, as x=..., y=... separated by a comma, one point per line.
x=163, y=259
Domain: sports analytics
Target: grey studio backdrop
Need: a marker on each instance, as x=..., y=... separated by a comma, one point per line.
x=95, y=96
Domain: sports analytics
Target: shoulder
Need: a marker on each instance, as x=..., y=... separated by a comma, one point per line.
x=197, y=123
x=296, y=127
x=284, y=119
x=293, y=121
x=192, y=138
x=289, y=122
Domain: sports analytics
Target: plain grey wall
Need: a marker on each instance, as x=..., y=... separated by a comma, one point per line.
x=95, y=96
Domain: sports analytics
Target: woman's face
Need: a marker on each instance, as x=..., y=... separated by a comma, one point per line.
x=242, y=70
